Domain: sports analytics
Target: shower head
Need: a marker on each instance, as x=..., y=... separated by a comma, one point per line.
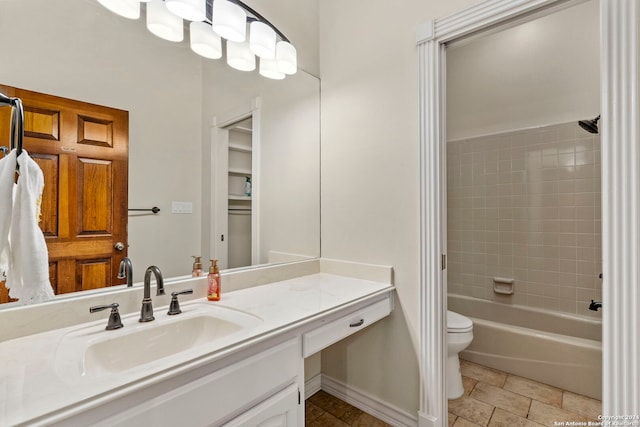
x=590, y=126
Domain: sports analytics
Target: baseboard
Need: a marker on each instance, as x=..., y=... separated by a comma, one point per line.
x=367, y=403
x=312, y=386
x=428, y=421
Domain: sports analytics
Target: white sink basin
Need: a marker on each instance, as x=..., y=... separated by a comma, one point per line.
x=92, y=351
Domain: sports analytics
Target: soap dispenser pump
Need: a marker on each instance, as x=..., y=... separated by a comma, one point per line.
x=213, y=281
x=197, y=266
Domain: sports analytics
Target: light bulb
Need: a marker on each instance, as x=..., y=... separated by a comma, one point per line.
x=286, y=58
x=240, y=57
x=229, y=20
x=262, y=40
x=204, y=41
x=163, y=23
x=191, y=10
x=268, y=69
x=127, y=8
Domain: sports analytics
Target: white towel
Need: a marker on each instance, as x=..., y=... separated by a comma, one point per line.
x=28, y=275
x=7, y=177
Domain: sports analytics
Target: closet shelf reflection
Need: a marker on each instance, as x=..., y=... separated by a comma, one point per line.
x=240, y=148
x=239, y=171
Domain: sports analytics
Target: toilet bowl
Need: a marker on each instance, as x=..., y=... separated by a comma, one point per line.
x=459, y=336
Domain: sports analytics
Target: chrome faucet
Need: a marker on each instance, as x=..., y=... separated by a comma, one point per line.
x=126, y=271
x=146, y=312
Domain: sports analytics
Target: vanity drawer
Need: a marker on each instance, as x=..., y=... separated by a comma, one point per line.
x=332, y=332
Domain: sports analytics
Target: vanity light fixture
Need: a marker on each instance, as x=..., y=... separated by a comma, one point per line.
x=286, y=57
x=268, y=69
x=191, y=10
x=212, y=21
x=229, y=20
x=240, y=57
x=205, y=42
x=125, y=8
x=262, y=40
x=163, y=23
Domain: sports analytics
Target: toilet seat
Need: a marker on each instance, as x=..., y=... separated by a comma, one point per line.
x=457, y=323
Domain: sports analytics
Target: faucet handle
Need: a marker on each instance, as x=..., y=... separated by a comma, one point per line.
x=114, y=318
x=174, y=306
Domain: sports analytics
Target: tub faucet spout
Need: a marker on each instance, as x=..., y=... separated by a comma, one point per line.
x=595, y=305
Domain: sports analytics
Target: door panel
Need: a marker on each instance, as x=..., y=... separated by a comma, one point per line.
x=93, y=273
x=95, y=192
x=49, y=207
x=82, y=150
x=41, y=123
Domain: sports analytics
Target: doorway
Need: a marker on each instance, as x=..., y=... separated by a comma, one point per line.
x=620, y=216
x=236, y=188
x=240, y=181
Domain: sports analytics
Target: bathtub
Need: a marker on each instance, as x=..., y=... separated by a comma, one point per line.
x=558, y=349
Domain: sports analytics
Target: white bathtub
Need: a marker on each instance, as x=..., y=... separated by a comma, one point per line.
x=558, y=349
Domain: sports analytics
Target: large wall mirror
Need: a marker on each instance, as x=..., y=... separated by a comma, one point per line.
x=184, y=113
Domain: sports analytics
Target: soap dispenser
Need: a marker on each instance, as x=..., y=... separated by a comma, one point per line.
x=247, y=186
x=197, y=266
x=213, y=280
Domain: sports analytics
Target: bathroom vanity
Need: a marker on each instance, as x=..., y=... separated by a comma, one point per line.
x=237, y=362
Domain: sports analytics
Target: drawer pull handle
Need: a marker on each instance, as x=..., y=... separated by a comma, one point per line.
x=356, y=324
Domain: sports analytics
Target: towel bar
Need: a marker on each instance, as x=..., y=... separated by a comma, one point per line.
x=154, y=209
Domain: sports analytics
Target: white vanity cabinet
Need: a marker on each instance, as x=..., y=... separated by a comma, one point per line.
x=280, y=410
x=254, y=380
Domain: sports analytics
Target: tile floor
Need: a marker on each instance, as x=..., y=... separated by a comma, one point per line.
x=325, y=410
x=494, y=398
x=491, y=398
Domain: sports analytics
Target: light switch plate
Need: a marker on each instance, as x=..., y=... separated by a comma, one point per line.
x=181, y=207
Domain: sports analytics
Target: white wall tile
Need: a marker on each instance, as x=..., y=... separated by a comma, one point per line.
x=526, y=205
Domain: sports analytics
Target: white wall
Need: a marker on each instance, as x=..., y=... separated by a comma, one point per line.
x=539, y=73
x=78, y=49
x=370, y=176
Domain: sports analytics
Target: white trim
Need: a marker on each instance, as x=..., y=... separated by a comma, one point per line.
x=218, y=220
x=425, y=32
x=312, y=386
x=386, y=412
x=620, y=130
x=219, y=168
x=255, y=183
x=433, y=288
x=620, y=99
x=237, y=114
x=489, y=13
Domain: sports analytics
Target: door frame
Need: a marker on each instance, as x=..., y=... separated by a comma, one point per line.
x=620, y=139
x=219, y=186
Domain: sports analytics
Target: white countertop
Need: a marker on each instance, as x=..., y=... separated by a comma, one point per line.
x=34, y=380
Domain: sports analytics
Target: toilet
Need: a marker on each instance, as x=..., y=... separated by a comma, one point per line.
x=459, y=336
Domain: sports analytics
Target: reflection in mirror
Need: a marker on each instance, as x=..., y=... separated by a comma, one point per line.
x=179, y=105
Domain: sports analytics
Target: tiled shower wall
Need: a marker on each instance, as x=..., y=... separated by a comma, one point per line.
x=526, y=205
